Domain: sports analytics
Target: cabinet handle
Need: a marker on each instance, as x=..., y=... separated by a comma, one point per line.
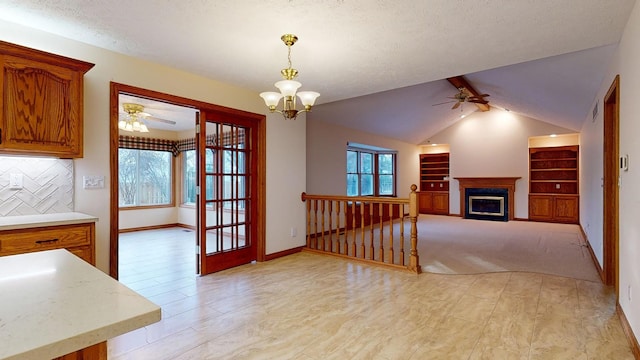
x=49, y=241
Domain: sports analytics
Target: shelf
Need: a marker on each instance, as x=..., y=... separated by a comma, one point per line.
x=434, y=168
x=553, y=171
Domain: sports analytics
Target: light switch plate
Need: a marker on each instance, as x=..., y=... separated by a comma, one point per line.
x=93, y=182
x=15, y=181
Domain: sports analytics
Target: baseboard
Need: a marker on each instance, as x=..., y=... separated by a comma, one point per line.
x=282, y=253
x=593, y=255
x=152, y=227
x=633, y=341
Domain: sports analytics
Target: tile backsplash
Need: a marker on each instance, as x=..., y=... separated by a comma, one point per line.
x=47, y=186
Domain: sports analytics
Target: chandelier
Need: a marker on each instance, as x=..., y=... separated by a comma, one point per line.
x=288, y=88
x=134, y=119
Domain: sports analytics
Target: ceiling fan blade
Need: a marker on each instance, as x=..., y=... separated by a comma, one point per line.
x=170, y=122
x=446, y=102
x=456, y=105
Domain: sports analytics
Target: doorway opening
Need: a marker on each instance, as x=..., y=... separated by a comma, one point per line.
x=120, y=93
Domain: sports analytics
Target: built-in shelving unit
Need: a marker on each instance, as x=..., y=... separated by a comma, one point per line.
x=553, y=184
x=434, y=184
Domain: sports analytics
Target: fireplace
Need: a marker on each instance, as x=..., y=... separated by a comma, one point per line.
x=487, y=204
x=491, y=188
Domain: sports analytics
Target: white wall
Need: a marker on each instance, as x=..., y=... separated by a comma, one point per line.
x=286, y=174
x=327, y=158
x=625, y=63
x=492, y=144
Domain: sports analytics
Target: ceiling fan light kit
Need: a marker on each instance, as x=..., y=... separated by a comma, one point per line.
x=134, y=119
x=288, y=89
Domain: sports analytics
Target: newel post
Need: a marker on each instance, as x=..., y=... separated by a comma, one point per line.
x=414, y=258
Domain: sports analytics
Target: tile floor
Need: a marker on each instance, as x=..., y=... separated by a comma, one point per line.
x=308, y=307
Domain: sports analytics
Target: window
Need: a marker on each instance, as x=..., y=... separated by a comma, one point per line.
x=145, y=178
x=370, y=172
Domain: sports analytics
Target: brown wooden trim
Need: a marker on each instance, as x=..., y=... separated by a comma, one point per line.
x=628, y=331
x=222, y=112
x=610, y=196
x=152, y=227
x=593, y=255
x=279, y=254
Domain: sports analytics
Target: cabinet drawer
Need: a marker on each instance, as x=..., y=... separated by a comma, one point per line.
x=37, y=239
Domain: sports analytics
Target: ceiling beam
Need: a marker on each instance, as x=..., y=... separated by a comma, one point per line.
x=461, y=82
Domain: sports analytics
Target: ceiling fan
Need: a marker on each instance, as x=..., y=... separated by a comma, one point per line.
x=463, y=95
x=134, y=118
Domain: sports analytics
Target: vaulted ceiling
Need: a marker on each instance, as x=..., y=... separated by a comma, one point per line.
x=379, y=65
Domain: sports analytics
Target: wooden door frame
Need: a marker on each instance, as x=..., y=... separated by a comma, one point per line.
x=610, y=191
x=117, y=88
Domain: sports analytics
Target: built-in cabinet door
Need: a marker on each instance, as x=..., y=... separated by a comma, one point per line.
x=554, y=208
x=425, y=202
x=431, y=202
x=540, y=207
x=566, y=209
x=441, y=203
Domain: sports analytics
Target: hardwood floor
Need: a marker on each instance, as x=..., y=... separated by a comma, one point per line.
x=307, y=306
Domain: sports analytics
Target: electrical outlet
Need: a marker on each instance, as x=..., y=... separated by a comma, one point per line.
x=629, y=292
x=294, y=232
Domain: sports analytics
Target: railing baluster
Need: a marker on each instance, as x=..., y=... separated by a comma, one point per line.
x=363, y=248
x=315, y=223
x=372, y=248
x=381, y=240
x=355, y=236
x=391, y=245
x=353, y=228
x=324, y=248
x=337, y=214
x=402, y=262
x=308, y=206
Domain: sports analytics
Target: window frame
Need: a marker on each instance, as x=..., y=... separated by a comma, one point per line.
x=375, y=170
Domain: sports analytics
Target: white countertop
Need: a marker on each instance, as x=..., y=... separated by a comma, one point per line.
x=53, y=303
x=42, y=220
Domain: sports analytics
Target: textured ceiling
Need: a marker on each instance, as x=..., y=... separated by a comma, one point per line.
x=353, y=48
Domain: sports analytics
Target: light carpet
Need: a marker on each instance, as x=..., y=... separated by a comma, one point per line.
x=453, y=245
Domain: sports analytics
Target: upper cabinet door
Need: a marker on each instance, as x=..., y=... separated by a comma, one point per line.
x=42, y=103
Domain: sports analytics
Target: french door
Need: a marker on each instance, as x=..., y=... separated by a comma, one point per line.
x=226, y=191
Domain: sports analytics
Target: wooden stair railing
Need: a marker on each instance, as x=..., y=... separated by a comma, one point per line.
x=370, y=229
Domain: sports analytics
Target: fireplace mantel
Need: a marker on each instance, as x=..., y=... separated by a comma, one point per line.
x=508, y=183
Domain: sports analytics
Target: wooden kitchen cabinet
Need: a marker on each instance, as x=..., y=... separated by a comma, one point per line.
x=41, y=98
x=79, y=239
